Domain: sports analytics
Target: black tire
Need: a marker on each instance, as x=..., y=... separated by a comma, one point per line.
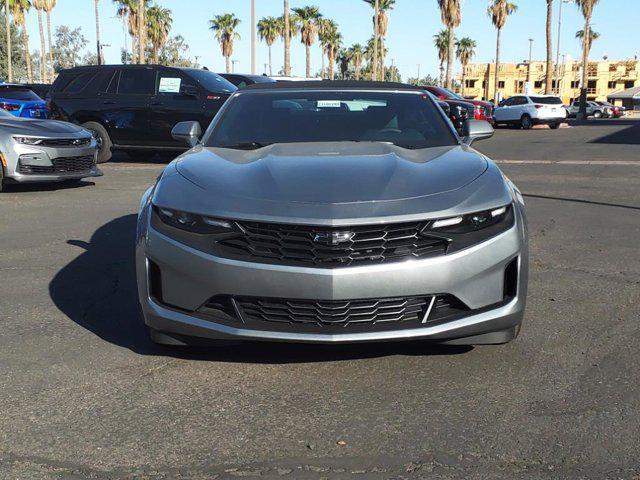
x=554, y=126
x=103, y=139
x=525, y=122
x=597, y=114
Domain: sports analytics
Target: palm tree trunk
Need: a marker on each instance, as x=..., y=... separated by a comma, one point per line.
x=376, y=24
x=441, y=74
x=7, y=20
x=134, y=50
x=50, y=46
x=228, y=62
x=270, y=65
x=585, y=67
x=308, y=59
x=141, y=39
x=43, y=49
x=25, y=40
x=287, y=40
x=358, y=67
x=450, y=58
x=100, y=60
x=497, y=76
x=323, y=65
x=156, y=54
x=548, y=75
x=464, y=77
x=382, y=73
x=331, y=69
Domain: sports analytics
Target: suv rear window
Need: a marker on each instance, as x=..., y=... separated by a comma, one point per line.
x=18, y=94
x=546, y=100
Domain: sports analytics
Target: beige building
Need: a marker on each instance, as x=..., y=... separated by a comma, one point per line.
x=605, y=78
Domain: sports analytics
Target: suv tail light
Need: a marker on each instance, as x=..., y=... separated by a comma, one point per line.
x=478, y=112
x=9, y=107
x=538, y=107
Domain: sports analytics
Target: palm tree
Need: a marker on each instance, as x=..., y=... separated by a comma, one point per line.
x=499, y=10
x=325, y=29
x=344, y=61
x=592, y=36
x=7, y=20
x=334, y=42
x=130, y=9
x=286, y=35
x=450, y=15
x=40, y=5
x=382, y=27
x=441, y=41
x=19, y=9
x=49, y=5
x=465, y=51
x=586, y=7
x=356, y=55
x=269, y=29
x=224, y=27
x=141, y=30
x=307, y=19
x=548, y=74
x=98, y=44
x=158, y=25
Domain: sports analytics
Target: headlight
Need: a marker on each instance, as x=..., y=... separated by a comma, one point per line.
x=28, y=140
x=465, y=230
x=193, y=223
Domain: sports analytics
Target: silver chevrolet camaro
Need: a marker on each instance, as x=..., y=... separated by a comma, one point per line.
x=332, y=212
x=35, y=150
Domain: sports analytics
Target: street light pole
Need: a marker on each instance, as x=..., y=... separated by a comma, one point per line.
x=233, y=65
x=557, y=69
x=253, y=37
x=529, y=65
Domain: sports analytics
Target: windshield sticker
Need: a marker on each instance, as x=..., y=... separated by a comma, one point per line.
x=169, y=85
x=329, y=103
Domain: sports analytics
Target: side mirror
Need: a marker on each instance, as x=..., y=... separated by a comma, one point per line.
x=190, y=91
x=473, y=130
x=187, y=132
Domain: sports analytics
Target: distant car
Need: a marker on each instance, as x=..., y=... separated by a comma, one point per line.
x=483, y=110
x=134, y=107
x=525, y=111
x=242, y=80
x=296, y=79
x=20, y=101
x=593, y=110
x=36, y=150
x=457, y=110
x=614, y=111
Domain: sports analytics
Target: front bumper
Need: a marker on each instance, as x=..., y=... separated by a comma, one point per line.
x=189, y=278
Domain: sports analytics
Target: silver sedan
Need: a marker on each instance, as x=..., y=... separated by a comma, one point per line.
x=337, y=212
x=33, y=150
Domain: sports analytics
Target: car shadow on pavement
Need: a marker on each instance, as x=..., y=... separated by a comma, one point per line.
x=97, y=290
x=45, y=187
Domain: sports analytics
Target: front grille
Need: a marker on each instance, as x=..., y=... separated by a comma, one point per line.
x=327, y=247
x=66, y=142
x=339, y=316
x=60, y=165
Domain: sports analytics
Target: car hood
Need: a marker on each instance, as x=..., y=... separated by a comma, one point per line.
x=27, y=126
x=339, y=173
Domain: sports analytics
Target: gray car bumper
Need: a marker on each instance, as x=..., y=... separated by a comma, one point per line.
x=55, y=177
x=475, y=276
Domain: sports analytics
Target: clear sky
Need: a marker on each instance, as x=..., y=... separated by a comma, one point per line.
x=412, y=26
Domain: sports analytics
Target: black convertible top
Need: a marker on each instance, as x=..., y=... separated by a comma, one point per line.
x=336, y=84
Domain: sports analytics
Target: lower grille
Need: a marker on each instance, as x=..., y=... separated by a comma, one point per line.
x=327, y=247
x=336, y=316
x=60, y=165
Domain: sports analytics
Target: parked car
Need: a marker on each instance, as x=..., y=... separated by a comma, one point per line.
x=296, y=79
x=134, y=107
x=525, y=111
x=36, y=150
x=457, y=111
x=613, y=111
x=483, y=110
x=332, y=212
x=242, y=80
x=593, y=110
x=40, y=89
x=20, y=101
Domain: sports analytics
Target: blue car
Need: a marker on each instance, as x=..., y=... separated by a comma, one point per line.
x=22, y=102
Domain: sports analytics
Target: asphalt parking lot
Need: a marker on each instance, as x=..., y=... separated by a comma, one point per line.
x=85, y=395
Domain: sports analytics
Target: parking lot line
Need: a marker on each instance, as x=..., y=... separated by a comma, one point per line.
x=570, y=162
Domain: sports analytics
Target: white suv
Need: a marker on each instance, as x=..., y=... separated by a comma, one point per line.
x=529, y=110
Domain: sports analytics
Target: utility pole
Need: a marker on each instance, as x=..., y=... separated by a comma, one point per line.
x=253, y=37
x=233, y=65
x=418, y=73
x=529, y=65
x=557, y=73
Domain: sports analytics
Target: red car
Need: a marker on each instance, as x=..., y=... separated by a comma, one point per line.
x=483, y=110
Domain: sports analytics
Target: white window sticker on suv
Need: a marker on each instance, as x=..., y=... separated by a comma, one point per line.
x=328, y=103
x=169, y=85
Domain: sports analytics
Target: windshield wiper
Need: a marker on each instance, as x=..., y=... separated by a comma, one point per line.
x=245, y=145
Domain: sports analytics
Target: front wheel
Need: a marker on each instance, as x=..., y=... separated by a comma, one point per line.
x=597, y=114
x=102, y=139
x=554, y=126
x=526, y=123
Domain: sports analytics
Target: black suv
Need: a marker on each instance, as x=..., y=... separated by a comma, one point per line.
x=134, y=107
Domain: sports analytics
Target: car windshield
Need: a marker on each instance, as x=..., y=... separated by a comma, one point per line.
x=212, y=82
x=453, y=95
x=546, y=100
x=19, y=94
x=256, y=119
